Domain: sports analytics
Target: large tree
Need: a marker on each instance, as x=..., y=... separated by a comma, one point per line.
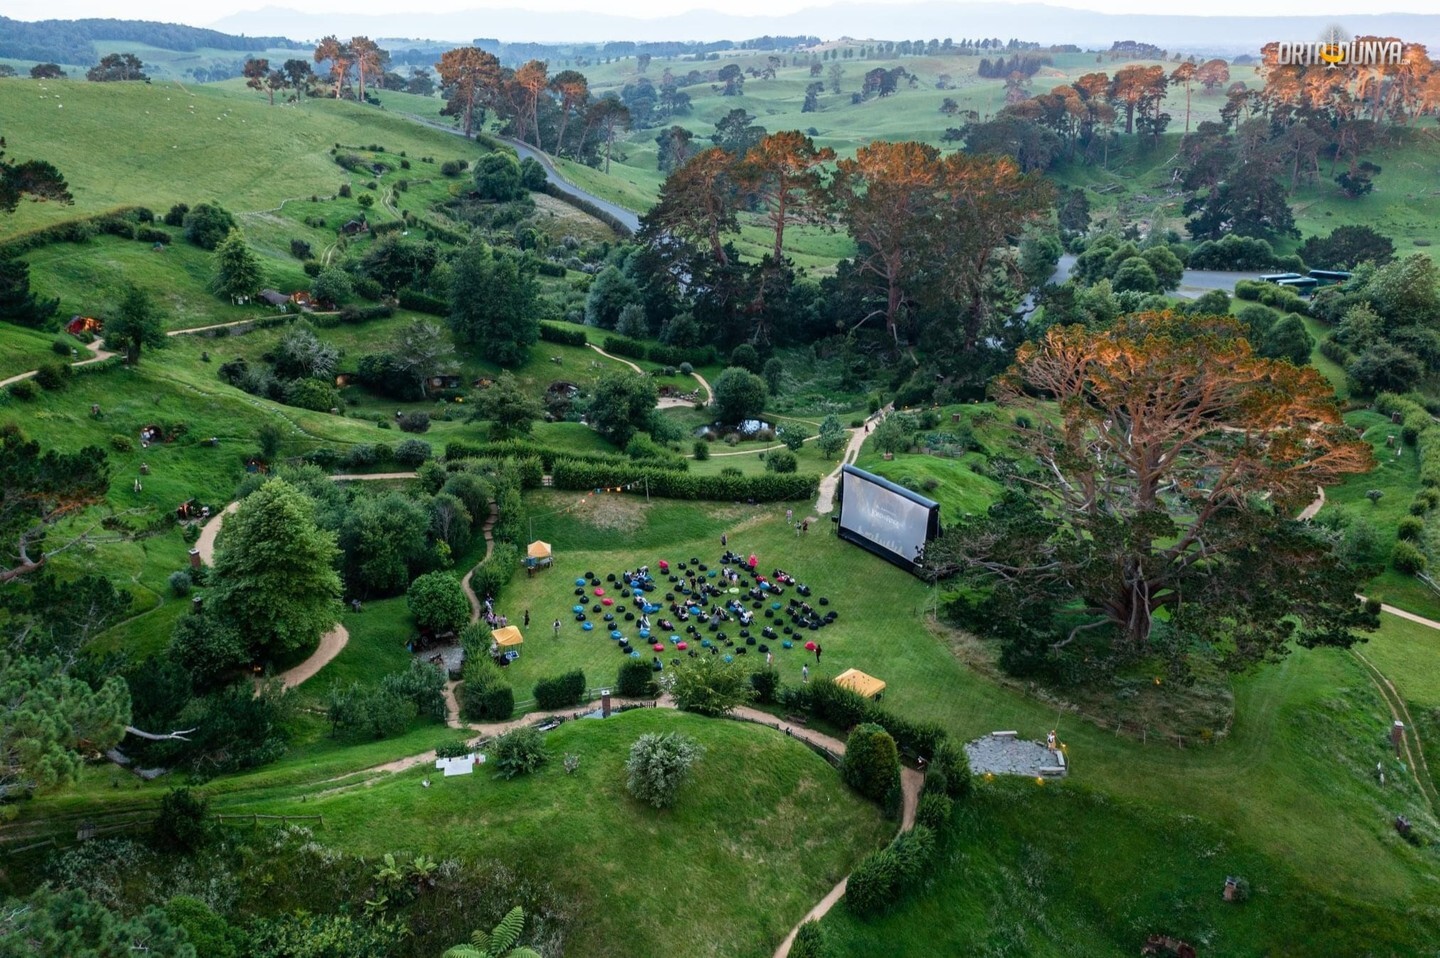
x=370, y=60
x=1159, y=480
x=422, y=349
x=134, y=325
x=340, y=57
x=783, y=172
x=36, y=179
x=274, y=577
x=510, y=409
x=621, y=404
x=18, y=304
x=698, y=203
x=37, y=491
x=237, y=270
x=468, y=79
x=492, y=303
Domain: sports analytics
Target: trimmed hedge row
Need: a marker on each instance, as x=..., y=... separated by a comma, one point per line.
x=675, y=355
x=419, y=302
x=561, y=691
x=882, y=878
x=78, y=230
x=574, y=473
x=621, y=346
x=521, y=449
x=1419, y=429
x=570, y=335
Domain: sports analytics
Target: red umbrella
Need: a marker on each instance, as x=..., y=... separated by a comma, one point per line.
x=809, y=646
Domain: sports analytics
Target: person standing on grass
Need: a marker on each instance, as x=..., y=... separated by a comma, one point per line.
x=817, y=653
x=805, y=675
x=527, y=618
x=724, y=540
x=557, y=628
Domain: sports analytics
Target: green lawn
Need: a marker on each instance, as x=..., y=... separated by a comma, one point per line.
x=22, y=350
x=725, y=872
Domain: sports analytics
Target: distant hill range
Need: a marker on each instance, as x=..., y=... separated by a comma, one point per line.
x=73, y=41
x=884, y=21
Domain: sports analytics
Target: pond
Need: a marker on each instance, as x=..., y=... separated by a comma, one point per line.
x=747, y=429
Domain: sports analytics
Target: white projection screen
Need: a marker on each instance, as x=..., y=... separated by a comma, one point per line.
x=889, y=520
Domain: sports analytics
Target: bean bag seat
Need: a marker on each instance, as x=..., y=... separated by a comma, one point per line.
x=741, y=650
x=664, y=566
x=769, y=613
x=757, y=606
x=681, y=646
x=744, y=633
x=596, y=607
x=658, y=647
x=634, y=654
x=589, y=575
x=706, y=643
x=580, y=582
x=669, y=597
x=616, y=634
x=610, y=577
x=729, y=658
x=644, y=633
x=704, y=567
x=763, y=649
x=579, y=591
x=824, y=601
x=609, y=618
x=577, y=608
x=712, y=573
x=694, y=561
x=788, y=631
x=599, y=591
x=624, y=593
x=625, y=649
x=787, y=644
x=674, y=639
x=680, y=566
x=723, y=637
x=810, y=646
x=588, y=626
x=714, y=626
x=629, y=616
x=674, y=578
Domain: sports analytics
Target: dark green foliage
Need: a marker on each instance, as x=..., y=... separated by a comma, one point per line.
x=368, y=712
x=610, y=292
x=1233, y=252
x=497, y=178
x=491, y=576
x=1407, y=558
x=948, y=761
x=1410, y=528
x=810, y=942
x=416, y=422
x=438, y=603
x=207, y=225
x=54, y=376
x=1385, y=367
x=208, y=648
x=565, y=335
x=411, y=452
x=1288, y=340
x=781, y=461
x=321, y=936
x=770, y=487
x=24, y=390
x=422, y=684
x=934, y=811
x=1347, y=247
x=622, y=346
x=180, y=824
x=69, y=924
x=620, y=405
x=701, y=450
x=18, y=304
x=520, y=449
x=872, y=762
x=766, y=683
x=492, y=301
x=561, y=691
x=518, y=752
x=211, y=935
x=871, y=888
x=635, y=680
x=739, y=395
x=745, y=357
x=485, y=695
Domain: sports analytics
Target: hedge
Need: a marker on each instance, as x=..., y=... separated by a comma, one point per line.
x=1336, y=352
x=419, y=302
x=72, y=231
x=493, y=575
x=573, y=473
x=359, y=314
x=521, y=449
x=564, y=335
x=1417, y=428
x=561, y=691
x=635, y=680
x=546, y=268
x=675, y=355
x=621, y=346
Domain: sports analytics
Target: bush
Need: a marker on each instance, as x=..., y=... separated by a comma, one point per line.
x=726, y=487
x=621, y=346
x=54, y=376
x=180, y=825
x=810, y=942
x=411, y=452
x=914, y=851
x=25, y=389
x=948, y=758
x=781, y=461
x=658, y=766
x=872, y=885
x=701, y=449
x=635, y=680
x=437, y=602
x=518, y=752
x=872, y=762
x=419, y=302
x=1410, y=529
x=416, y=422
x=453, y=749
x=60, y=348
x=561, y=691
x=564, y=335
x=765, y=682
x=180, y=583
x=1407, y=558
x=934, y=811
x=485, y=695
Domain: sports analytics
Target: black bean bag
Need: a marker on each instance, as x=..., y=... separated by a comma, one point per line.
x=589, y=575
x=750, y=640
x=624, y=593
x=579, y=616
x=769, y=613
x=824, y=601
x=704, y=568
x=629, y=616
x=741, y=651
x=788, y=631
x=714, y=626
x=744, y=633
x=764, y=649
x=579, y=590
x=608, y=617
x=596, y=607
x=610, y=577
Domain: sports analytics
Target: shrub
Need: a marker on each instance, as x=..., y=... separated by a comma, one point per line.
x=519, y=752
x=621, y=346
x=914, y=851
x=54, y=376
x=453, y=749
x=1407, y=558
x=1419, y=506
x=765, y=682
x=781, y=461
x=1410, y=529
x=416, y=422
x=60, y=348
x=947, y=758
x=934, y=811
x=659, y=765
x=561, y=691
x=437, y=602
x=176, y=215
x=701, y=449
x=411, y=452
x=180, y=825
x=872, y=762
x=25, y=389
x=180, y=583
x=872, y=885
x=485, y=695
x=810, y=942
x=635, y=679
x=564, y=335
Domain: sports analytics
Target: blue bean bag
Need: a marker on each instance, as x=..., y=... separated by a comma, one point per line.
x=615, y=633
x=577, y=608
x=579, y=581
x=729, y=658
x=787, y=644
x=634, y=654
x=644, y=633
x=588, y=626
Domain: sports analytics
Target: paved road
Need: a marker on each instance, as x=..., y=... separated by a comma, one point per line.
x=626, y=217
x=1193, y=284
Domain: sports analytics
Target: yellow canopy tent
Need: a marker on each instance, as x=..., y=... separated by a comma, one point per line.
x=538, y=554
x=860, y=683
x=507, y=637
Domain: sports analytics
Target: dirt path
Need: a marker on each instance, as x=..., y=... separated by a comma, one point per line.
x=1312, y=510
x=98, y=354
x=825, y=501
x=1414, y=759
x=616, y=358
x=488, y=530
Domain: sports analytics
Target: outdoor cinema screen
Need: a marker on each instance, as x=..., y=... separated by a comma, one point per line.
x=889, y=520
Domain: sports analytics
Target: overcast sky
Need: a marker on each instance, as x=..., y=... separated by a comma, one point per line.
x=203, y=14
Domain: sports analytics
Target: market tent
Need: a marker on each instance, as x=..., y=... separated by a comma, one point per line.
x=539, y=553
x=507, y=636
x=856, y=681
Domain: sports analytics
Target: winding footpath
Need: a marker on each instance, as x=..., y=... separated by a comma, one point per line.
x=825, y=502
x=666, y=402
x=332, y=642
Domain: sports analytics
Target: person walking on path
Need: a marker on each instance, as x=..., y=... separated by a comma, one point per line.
x=557, y=628
x=805, y=675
